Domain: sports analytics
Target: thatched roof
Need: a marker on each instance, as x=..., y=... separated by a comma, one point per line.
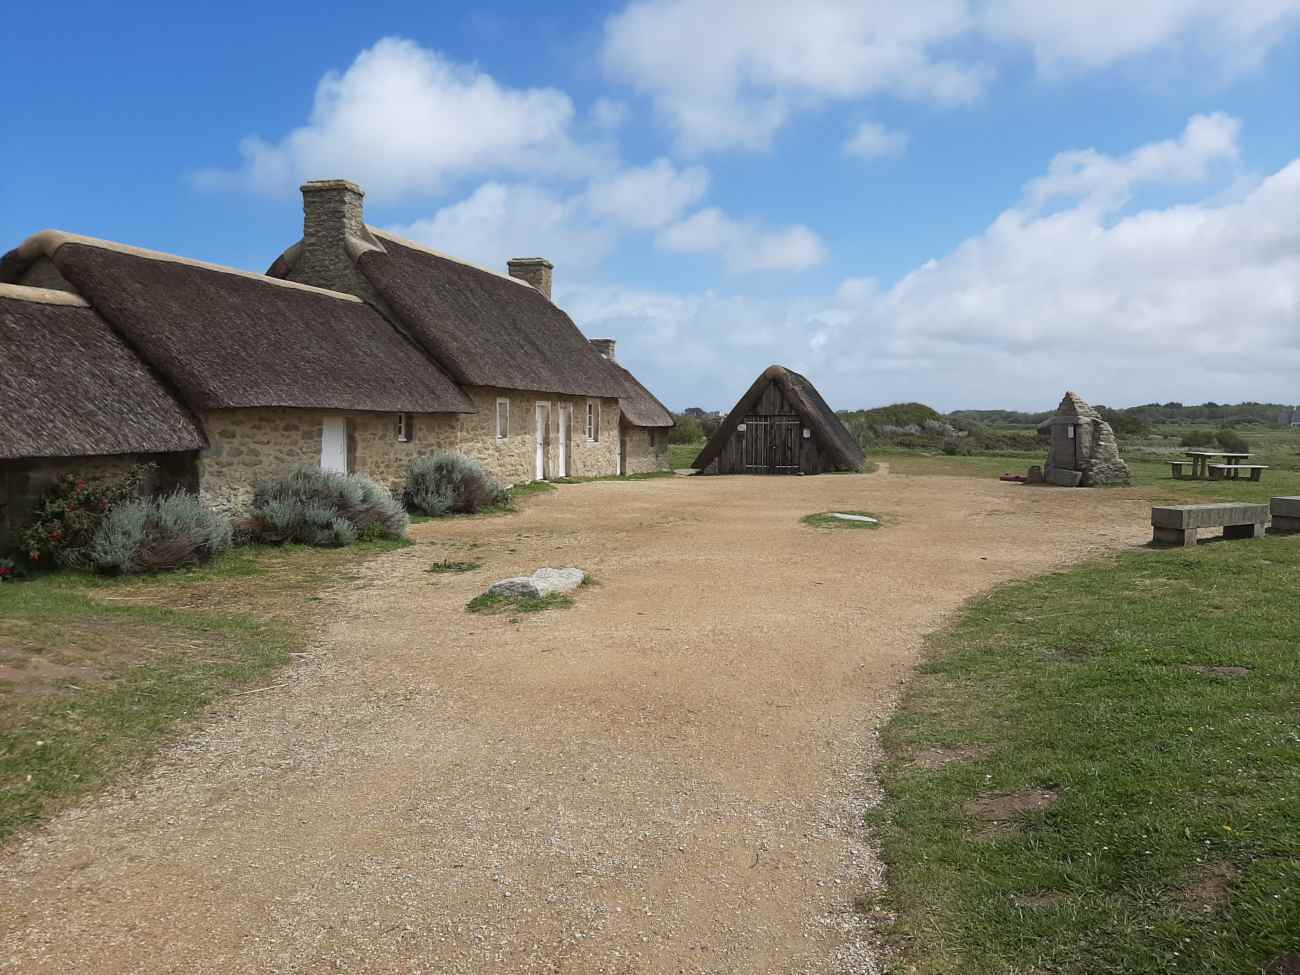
x=638, y=405
x=227, y=338
x=831, y=434
x=72, y=386
x=484, y=328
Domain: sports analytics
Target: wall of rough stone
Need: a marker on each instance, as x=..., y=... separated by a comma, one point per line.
x=24, y=482
x=249, y=445
x=514, y=459
x=642, y=455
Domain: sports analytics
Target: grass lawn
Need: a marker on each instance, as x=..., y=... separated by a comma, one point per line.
x=682, y=455
x=96, y=673
x=1070, y=788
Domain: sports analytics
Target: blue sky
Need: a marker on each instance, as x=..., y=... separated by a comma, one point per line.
x=971, y=203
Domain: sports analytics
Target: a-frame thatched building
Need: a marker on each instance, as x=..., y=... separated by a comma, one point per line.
x=781, y=426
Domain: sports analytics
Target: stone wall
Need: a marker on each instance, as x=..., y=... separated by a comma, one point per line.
x=643, y=456
x=24, y=482
x=514, y=458
x=248, y=445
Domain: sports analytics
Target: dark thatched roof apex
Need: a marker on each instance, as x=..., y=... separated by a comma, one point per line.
x=227, y=338
x=72, y=387
x=638, y=405
x=816, y=414
x=483, y=327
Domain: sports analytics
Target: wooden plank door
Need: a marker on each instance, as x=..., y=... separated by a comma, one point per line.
x=785, y=444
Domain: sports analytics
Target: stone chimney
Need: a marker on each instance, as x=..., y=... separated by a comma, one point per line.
x=605, y=347
x=534, y=270
x=332, y=213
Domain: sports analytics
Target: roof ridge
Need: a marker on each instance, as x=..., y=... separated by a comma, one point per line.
x=42, y=296
x=47, y=242
x=447, y=257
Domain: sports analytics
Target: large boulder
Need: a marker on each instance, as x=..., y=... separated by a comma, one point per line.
x=543, y=582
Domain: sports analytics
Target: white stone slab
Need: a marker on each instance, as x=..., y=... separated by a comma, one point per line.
x=844, y=517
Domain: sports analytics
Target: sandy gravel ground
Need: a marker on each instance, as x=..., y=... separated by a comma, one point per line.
x=668, y=777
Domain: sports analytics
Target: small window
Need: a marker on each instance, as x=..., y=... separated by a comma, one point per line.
x=593, y=421
x=405, y=427
x=503, y=418
x=652, y=439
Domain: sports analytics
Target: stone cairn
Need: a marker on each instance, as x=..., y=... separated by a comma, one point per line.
x=1083, y=451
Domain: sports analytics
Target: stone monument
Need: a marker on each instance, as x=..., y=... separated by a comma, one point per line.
x=1082, y=448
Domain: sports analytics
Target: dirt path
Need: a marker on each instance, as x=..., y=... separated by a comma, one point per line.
x=667, y=777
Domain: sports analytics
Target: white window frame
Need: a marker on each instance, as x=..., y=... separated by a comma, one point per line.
x=503, y=431
x=405, y=425
x=593, y=421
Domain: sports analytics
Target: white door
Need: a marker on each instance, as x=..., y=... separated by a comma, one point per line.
x=566, y=423
x=334, y=444
x=543, y=434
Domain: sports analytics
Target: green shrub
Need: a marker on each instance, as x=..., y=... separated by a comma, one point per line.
x=449, y=483
x=156, y=534
x=315, y=507
x=63, y=527
x=1199, y=438
x=1231, y=440
x=688, y=429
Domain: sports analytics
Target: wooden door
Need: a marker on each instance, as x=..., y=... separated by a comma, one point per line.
x=543, y=434
x=566, y=434
x=785, y=444
x=334, y=444
x=771, y=444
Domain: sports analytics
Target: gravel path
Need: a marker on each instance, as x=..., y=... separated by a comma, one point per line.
x=667, y=777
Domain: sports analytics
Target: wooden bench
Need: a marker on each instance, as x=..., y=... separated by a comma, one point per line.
x=1177, y=467
x=1219, y=472
x=1181, y=524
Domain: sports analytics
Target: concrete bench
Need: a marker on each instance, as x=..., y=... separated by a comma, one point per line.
x=1177, y=467
x=1286, y=514
x=1219, y=471
x=1181, y=524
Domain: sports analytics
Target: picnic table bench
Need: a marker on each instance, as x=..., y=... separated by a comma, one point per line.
x=1181, y=524
x=1200, y=460
x=1232, y=472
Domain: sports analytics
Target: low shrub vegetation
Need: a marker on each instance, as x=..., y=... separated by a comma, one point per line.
x=447, y=565
x=451, y=484
x=66, y=520
x=156, y=534
x=322, y=508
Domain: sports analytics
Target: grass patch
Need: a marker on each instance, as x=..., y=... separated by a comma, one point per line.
x=96, y=673
x=827, y=519
x=1172, y=839
x=447, y=565
x=530, y=488
x=682, y=455
x=644, y=476
x=495, y=604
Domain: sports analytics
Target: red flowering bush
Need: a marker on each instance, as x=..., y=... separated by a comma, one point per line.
x=65, y=521
x=10, y=570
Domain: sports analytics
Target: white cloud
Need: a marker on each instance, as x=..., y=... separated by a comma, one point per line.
x=499, y=221
x=728, y=74
x=648, y=196
x=874, y=141
x=608, y=113
x=744, y=245
x=1233, y=34
x=1192, y=301
x=1106, y=181
x=405, y=120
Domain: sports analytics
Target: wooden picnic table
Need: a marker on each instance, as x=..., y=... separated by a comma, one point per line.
x=1201, y=460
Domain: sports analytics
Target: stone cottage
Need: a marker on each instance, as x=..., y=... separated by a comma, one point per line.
x=545, y=403
x=75, y=398
x=1082, y=447
x=276, y=374
x=360, y=352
